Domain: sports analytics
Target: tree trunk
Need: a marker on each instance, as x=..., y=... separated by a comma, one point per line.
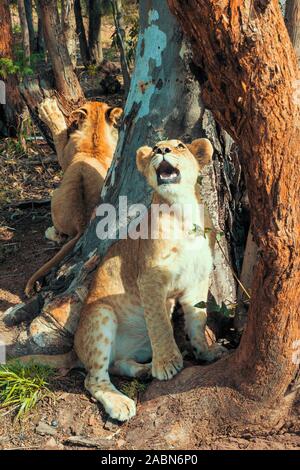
x=95, y=42
x=120, y=30
x=66, y=81
x=163, y=102
x=80, y=30
x=292, y=20
x=29, y=19
x=291, y=11
x=10, y=103
x=40, y=46
x=250, y=93
x=25, y=30
x=69, y=28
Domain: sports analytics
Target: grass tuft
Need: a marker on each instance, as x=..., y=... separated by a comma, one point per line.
x=133, y=388
x=23, y=385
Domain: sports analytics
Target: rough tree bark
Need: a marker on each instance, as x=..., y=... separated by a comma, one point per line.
x=68, y=23
x=163, y=102
x=11, y=110
x=292, y=20
x=95, y=42
x=66, y=81
x=80, y=30
x=25, y=30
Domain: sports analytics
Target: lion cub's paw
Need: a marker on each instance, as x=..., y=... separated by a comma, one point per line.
x=53, y=235
x=120, y=407
x=29, y=289
x=213, y=353
x=164, y=369
x=51, y=115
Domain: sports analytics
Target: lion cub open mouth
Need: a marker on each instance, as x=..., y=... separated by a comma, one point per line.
x=167, y=174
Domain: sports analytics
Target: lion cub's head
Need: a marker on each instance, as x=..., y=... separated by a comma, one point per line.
x=171, y=167
x=95, y=126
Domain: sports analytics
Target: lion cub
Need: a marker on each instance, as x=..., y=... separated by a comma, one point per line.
x=85, y=157
x=126, y=319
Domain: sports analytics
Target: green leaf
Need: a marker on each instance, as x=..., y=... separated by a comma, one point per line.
x=220, y=235
x=201, y=304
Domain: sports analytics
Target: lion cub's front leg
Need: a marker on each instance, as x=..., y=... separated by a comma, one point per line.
x=195, y=323
x=166, y=357
x=52, y=116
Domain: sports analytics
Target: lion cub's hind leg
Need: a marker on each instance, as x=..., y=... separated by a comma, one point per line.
x=131, y=368
x=94, y=342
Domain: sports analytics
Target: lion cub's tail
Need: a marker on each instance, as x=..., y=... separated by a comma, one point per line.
x=68, y=360
x=52, y=262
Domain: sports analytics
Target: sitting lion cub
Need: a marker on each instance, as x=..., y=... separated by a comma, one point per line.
x=126, y=318
x=85, y=158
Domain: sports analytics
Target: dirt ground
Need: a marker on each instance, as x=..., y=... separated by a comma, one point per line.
x=70, y=418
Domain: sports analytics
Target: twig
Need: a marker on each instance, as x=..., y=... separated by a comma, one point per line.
x=24, y=448
x=30, y=203
x=45, y=160
x=233, y=272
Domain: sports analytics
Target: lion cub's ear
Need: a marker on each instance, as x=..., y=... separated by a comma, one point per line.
x=113, y=115
x=79, y=115
x=202, y=150
x=142, y=155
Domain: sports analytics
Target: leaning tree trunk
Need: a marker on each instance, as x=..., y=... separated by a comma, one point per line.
x=163, y=102
x=292, y=20
x=66, y=81
x=80, y=30
x=10, y=104
x=95, y=41
x=69, y=28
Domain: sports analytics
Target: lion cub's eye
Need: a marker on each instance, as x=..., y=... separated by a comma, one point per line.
x=154, y=149
x=181, y=146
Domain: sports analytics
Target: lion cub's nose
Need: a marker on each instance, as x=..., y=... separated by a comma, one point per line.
x=163, y=150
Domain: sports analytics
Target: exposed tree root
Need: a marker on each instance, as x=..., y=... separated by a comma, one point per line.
x=199, y=403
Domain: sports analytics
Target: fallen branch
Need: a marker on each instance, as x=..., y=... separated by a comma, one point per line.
x=87, y=442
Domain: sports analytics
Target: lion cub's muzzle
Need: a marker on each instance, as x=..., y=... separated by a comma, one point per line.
x=167, y=174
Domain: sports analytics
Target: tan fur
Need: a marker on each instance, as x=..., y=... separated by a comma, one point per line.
x=85, y=158
x=126, y=319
